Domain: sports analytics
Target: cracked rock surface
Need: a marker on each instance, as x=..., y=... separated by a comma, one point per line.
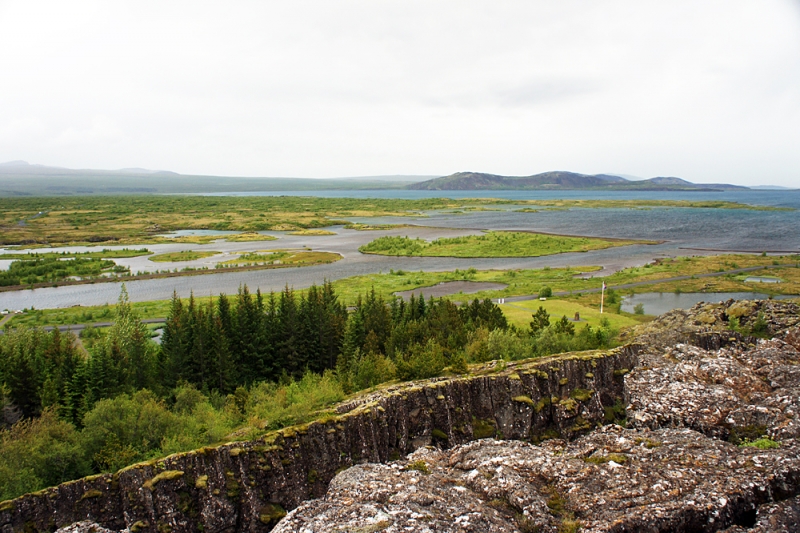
x=614, y=479
x=699, y=392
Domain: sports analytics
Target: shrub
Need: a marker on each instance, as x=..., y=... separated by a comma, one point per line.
x=421, y=362
x=277, y=405
x=612, y=297
x=368, y=370
x=508, y=346
x=545, y=292
x=126, y=429
x=760, y=327
x=38, y=453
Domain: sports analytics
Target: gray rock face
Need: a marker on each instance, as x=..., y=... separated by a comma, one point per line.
x=672, y=469
x=783, y=517
x=727, y=393
x=247, y=486
x=614, y=479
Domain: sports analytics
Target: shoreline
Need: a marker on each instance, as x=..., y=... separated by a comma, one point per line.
x=159, y=275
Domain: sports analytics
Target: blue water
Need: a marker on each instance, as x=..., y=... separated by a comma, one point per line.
x=790, y=198
x=706, y=229
x=197, y=232
x=657, y=303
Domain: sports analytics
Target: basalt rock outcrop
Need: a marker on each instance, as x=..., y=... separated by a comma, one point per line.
x=699, y=391
x=614, y=479
x=523, y=447
x=247, y=486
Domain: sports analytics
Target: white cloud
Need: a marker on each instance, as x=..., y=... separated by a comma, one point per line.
x=703, y=90
x=100, y=131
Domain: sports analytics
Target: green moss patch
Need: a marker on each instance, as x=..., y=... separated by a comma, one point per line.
x=271, y=513
x=524, y=399
x=439, y=434
x=483, y=428
x=582, y=395
x=420, y=466
x=93, y=493
x=602, y=459
x=166, y=475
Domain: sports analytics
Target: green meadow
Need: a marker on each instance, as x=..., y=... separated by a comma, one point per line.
x=491, y=244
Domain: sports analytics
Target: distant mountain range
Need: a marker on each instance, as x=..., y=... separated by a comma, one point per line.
x=25, y=168
x=560, y=180
x=19, y=178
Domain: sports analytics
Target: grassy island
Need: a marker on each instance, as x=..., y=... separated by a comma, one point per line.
x=186, y=255
x=491, y=244
x=282, y=257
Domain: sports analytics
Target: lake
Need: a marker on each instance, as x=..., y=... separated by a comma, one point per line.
x=656, y=303
x=684, y=232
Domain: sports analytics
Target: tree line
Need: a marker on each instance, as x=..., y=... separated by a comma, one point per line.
x=243, y=361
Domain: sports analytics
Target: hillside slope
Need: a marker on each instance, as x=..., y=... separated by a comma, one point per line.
x=559, y=180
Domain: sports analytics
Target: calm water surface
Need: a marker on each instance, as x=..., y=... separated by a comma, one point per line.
x=656, y=303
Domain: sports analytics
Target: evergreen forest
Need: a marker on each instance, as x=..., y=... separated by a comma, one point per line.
x=231, y=369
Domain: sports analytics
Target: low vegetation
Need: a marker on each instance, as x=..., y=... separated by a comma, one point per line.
x=185, y=255
x=231, y=368
x=374, y=227
x=648, y=204
x=54, y=269
x=491, y=244
x=141, y=219
x=100, y=254
x=281, y=257
x=312, y=232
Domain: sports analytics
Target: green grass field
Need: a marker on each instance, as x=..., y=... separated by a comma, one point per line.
x=101, y=254
x=491, y=244
x=186, y=255
x=519, y=313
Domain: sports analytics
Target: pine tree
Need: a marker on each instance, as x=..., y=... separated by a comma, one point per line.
x=288, y=334
x=24, y=382
x=273, y=366
x=354, y=337
x=248, y=330
x=310, y=319
x=377, y=320
x=224, y=368
x=173, y=344
x=332, y=330
x=196, y=371
x=541, y=320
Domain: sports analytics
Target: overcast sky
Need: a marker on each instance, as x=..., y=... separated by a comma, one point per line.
x=705, y=90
